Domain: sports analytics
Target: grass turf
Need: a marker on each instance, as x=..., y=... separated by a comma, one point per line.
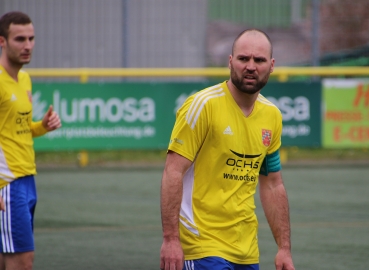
x=110, y=219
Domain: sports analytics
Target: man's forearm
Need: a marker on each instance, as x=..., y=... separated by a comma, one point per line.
x=275, y=204
x=171, y=197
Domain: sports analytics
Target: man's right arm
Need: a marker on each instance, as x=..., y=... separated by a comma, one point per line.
x=171, y=254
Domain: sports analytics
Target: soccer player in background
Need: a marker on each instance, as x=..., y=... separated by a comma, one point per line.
x=224, y=143
x=17, y=157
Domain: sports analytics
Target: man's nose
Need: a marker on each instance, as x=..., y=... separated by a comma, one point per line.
x=250, y=65
x=29, y=44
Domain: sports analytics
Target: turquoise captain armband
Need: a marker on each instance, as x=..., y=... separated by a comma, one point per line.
x=271, y=163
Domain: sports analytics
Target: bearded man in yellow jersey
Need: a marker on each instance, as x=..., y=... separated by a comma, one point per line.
x=224, y=143
x=17, y=158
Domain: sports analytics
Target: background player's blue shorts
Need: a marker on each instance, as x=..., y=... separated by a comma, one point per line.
x=217, y=263
x=16, y=221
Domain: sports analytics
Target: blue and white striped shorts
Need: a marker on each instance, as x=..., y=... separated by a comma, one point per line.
x=217, y=263
x=16, y=221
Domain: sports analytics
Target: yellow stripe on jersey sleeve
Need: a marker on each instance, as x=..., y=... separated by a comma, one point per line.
x=199, y=102
x=265, y=101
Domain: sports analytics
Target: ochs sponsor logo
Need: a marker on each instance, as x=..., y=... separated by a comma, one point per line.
x=22, y=121
x=246, y=177
x=241, y=161
x=22, y=118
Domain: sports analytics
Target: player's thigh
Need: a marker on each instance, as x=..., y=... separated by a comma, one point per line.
x=16, y=261
x=2, y=262
x=216, y=263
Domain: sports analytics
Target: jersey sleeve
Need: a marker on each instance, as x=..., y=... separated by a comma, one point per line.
x=189, y=130
x=38, y=129
x=271, y=162
x=277, y=133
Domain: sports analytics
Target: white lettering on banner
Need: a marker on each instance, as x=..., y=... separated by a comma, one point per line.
x=102, y=132
x=293, y=109
x=293, y=131
x=92, y=106
x=113, y=110
x=39, y=107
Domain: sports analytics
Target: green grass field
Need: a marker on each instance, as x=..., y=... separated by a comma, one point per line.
x=154, y=158
x=110, y=219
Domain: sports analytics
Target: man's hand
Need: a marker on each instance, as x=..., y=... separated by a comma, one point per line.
x=51, y=120
x=283, y=260
x=171, y=255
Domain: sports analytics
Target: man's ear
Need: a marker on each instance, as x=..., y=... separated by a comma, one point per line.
x=272, y=65
x=230, y=61
x=2, y=41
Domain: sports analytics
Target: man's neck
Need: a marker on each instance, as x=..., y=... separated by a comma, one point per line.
x=12, y=70
x=245, y=101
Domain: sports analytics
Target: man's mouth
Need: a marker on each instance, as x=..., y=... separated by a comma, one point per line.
x=249, y=78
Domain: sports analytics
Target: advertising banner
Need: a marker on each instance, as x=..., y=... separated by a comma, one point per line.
x=141, y=115
x=111, y=115
x=346, y=113
x=300, y=105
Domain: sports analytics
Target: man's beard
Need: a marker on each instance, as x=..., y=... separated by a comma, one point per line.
x=248, y=88
x=18, y=62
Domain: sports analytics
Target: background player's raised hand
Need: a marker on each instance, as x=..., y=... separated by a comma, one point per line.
x=51, y=120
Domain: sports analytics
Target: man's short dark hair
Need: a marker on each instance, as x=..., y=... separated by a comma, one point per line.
x=254, y=30
x=13, y=17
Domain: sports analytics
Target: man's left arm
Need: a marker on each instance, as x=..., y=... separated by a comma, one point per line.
x=274, y=200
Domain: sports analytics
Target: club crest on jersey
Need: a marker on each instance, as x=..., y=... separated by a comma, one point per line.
x=266, y=136
x=29, y=93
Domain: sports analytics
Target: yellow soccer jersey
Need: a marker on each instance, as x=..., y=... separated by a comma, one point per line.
x=217, y=216
x=16, y=128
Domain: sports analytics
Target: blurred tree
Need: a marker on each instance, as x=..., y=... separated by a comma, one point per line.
x=344, y=24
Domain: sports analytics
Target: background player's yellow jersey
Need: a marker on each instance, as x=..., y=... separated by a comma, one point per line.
x=16, y=127
x=217, y=216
